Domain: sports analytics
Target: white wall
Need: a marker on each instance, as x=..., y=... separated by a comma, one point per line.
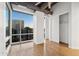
x=75, y=25
x=2, y=30
x=55, y=28
x=73, y=10
x=58, y=9
x=38, y=27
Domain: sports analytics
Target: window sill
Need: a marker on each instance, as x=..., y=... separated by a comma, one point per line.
x=7, y=38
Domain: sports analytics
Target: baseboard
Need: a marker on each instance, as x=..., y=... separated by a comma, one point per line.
x=63, y=43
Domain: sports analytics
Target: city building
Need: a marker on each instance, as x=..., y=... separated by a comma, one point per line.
x=18, y=24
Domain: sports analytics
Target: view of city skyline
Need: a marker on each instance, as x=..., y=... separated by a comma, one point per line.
x=27, y=18
x=22, y=23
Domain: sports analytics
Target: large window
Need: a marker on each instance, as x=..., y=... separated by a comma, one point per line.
x=22, y=26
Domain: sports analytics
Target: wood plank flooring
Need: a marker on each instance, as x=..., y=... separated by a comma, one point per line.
x=49, y=48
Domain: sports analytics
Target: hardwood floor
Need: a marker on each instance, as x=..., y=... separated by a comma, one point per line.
x=49, y=48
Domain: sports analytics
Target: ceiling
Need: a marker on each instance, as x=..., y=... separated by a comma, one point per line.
x=39, y=6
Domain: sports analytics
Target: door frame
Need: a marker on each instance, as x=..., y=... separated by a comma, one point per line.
x=68, y=27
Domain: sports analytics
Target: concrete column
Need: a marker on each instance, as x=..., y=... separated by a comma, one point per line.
x=39, y=27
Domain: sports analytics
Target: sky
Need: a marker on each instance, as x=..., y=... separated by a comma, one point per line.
x=6, y=15
x=28, y=19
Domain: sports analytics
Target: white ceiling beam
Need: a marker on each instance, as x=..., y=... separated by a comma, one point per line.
x=49, y=5
x=38, y=3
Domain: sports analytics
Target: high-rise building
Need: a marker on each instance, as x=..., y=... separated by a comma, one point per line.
x=17, y=25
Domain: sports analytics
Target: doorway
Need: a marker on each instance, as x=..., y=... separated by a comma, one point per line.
x=64, y=29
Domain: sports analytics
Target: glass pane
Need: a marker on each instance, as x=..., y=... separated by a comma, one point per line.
x=27, y=30
x=30, y=36
x=24, y=20
x=7, y=17
x=27, y=24
x=26, y=37
x=15, y=26
x=16, y=38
